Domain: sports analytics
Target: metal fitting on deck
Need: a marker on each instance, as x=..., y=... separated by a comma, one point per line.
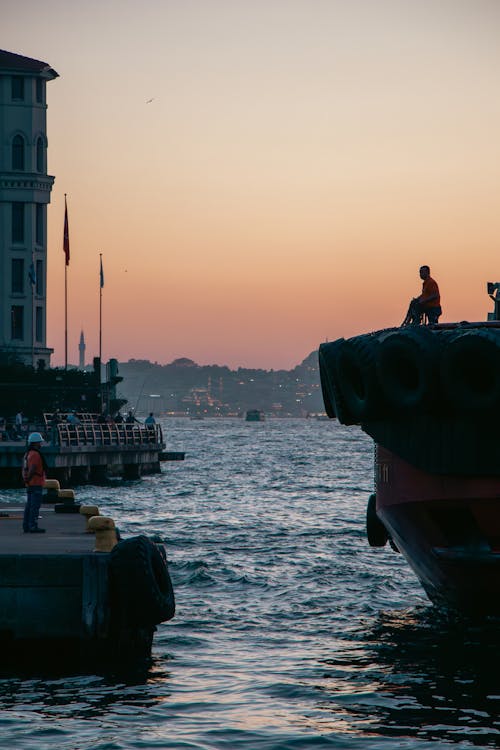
x=89, y=511
x=105, y=533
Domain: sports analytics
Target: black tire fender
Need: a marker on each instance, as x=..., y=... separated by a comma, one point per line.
x=470, y=371
x=375, y=529
x=140, y=585
x=358, y=380
x=407, y=366
x=326, y=389
x=327, y=357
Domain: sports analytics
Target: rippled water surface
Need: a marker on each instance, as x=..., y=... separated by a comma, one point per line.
x=290, y=631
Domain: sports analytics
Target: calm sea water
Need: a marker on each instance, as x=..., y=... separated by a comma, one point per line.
x=290, y=631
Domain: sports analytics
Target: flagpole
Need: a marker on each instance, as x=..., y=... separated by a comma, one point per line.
x=100, y=308
x=65, y=317
x=66, y=262
x=101, y=284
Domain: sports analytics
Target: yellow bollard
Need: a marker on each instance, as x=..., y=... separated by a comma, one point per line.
x=89, y=511
x=105, y=533
x=52, y=488
x=52, y=484
x=66, y=494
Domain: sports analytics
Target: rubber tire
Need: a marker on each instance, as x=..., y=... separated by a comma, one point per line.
x=358, y=380
x=470, y=372
x=375, y=529
x=328, y=362
x=140, y=584
x=407, y=366
x=326, y=387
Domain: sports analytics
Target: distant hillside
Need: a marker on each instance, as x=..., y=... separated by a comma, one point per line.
x=184, y=387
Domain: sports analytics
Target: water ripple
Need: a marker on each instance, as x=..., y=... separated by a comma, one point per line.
x=290, y=632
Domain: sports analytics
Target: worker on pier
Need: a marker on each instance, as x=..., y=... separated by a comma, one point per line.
x=34, y=475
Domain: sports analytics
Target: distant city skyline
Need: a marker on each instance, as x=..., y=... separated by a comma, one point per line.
x=260, y=177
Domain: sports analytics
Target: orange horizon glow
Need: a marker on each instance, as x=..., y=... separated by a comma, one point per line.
x=297, y=164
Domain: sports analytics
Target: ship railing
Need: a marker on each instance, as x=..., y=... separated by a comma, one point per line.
x=108, y=434
x=82, y=416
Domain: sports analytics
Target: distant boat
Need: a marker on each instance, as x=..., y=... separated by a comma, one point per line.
x=255, y=415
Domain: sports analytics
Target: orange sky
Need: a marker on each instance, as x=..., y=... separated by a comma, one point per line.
x=298, y=163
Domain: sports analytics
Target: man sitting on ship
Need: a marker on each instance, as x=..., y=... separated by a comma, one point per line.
x=428, y=304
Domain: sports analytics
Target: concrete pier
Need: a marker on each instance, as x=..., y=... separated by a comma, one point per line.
x=64, y=600
x=91, y=452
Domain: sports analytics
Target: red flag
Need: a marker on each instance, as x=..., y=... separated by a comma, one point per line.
x=66, y=233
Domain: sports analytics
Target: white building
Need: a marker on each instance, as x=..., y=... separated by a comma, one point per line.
x=25, y=189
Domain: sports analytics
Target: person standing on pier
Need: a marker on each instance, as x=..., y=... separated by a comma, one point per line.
x=19, y=423
x=34, y=468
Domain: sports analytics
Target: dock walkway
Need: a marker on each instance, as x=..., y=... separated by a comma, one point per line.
x=64, y=533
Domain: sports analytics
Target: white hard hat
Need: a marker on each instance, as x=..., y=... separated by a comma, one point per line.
x=35, y=437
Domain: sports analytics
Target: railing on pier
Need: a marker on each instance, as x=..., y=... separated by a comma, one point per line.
x=92, y=432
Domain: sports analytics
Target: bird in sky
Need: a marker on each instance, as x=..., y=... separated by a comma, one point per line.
x=150, y=100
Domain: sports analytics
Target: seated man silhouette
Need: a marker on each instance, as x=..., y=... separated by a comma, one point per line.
x=428, y=303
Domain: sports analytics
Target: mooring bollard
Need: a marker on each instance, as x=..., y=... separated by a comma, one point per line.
x=105, y=533
x=52, y=488
x=89, y=511
x=66, y=495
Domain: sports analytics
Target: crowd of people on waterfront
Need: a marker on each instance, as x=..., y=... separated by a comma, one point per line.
x=16, y=429
x=13, y=428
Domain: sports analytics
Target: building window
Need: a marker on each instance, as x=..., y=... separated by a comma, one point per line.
x=40, y=154
x=39, y=324
x=39, y=90
x=39, y=223
x=18, y=222
x=17, y=280
x=17, y=89
x=18, y=153
x=39, y=278
x=17, y=322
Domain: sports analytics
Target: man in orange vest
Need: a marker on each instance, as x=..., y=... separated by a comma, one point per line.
x=34, y=468
x=429, y=301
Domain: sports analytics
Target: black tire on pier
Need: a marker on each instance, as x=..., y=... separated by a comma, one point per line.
x=358, y=381
x=141, y=589
x=407, y=366
x=375, y=529
x=470, y=372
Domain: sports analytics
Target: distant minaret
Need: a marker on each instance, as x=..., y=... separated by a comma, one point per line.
x=81, y=349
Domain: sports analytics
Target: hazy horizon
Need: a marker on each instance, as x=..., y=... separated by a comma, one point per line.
x=132, y=359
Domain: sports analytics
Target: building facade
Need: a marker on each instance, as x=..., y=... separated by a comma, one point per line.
x=25, y=188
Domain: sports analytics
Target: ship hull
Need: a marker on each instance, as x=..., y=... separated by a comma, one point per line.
x=448, y=529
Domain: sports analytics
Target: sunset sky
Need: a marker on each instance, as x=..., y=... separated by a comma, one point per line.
x=298, y=163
